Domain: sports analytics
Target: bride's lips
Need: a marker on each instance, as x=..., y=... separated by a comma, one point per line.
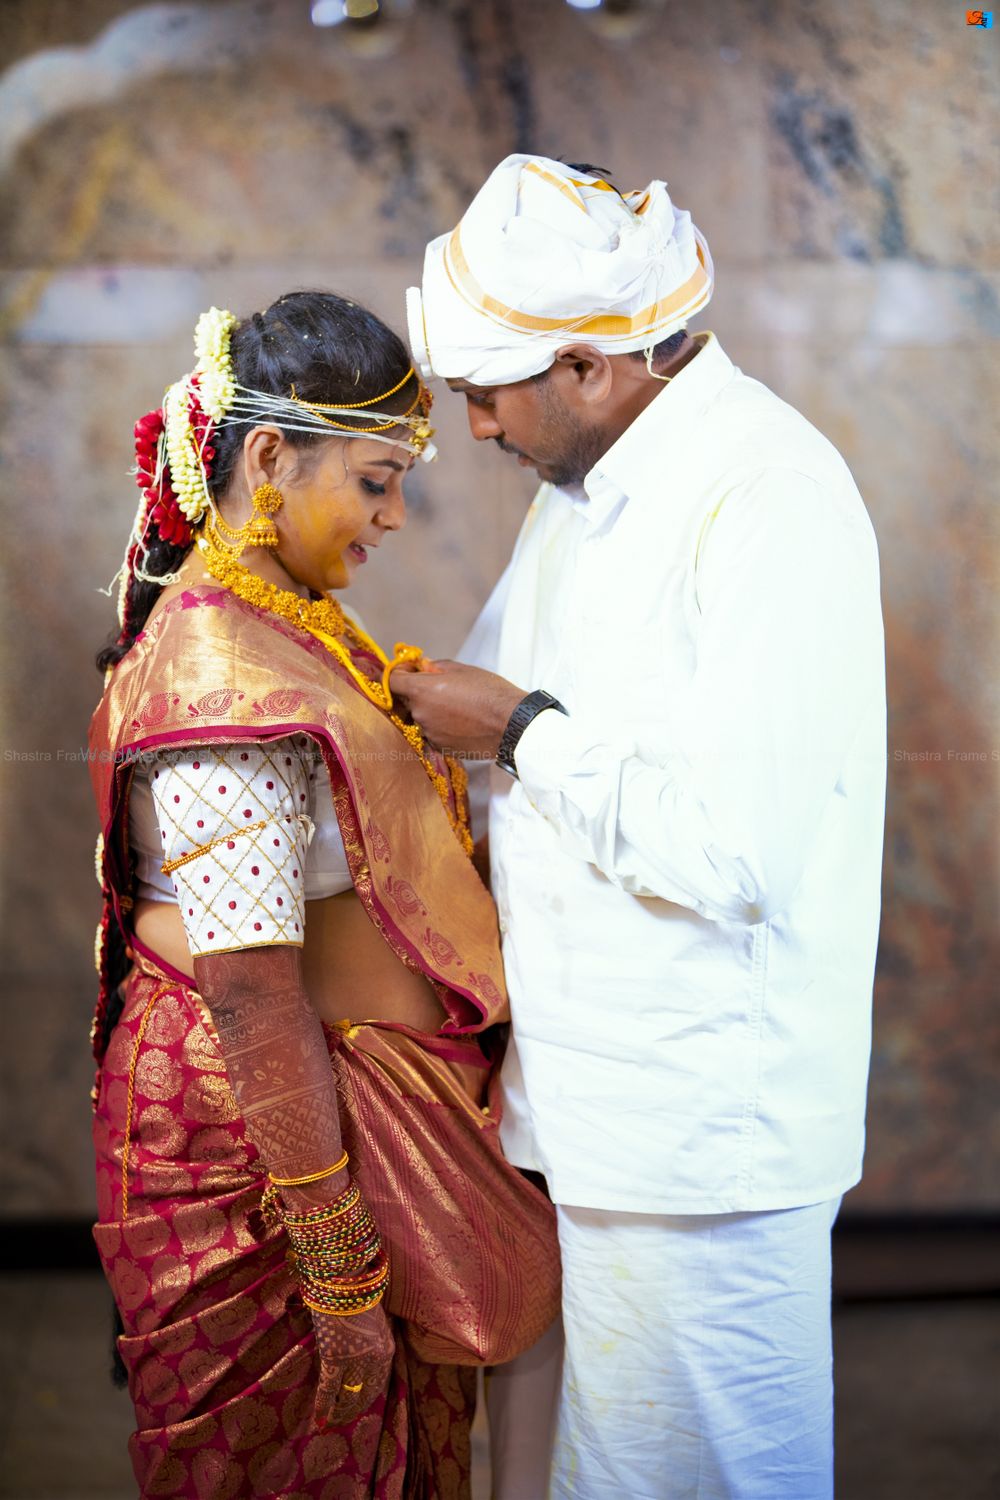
x=358, y=552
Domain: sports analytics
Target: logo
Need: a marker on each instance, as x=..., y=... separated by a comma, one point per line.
x=979, y=18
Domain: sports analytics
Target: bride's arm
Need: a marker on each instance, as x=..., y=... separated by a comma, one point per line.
x=279, y=1069
x=278, y=1063
x=233, y=821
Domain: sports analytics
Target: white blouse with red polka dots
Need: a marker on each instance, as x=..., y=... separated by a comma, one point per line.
x=240, y=837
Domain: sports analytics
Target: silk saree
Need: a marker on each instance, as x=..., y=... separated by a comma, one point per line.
x=218, y=1346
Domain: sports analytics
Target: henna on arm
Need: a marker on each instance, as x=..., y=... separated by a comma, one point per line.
x=280, y=1072
x=277, y=1059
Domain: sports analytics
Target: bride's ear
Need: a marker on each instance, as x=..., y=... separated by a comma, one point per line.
x=266, y=452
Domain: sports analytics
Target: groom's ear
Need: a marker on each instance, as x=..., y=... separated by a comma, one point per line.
x=584, y=375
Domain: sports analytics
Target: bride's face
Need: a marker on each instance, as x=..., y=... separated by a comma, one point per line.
x=338, y=505
x=339, y=499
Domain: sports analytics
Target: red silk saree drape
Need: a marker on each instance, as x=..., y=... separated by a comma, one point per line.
x=218, y=1346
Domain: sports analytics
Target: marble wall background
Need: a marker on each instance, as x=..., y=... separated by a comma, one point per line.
x=841, y=160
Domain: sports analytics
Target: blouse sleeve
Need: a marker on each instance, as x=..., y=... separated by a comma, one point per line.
x=234, y=822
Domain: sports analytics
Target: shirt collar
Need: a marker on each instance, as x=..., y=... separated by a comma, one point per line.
x=655, y=435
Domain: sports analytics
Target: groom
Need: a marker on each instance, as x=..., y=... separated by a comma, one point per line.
x=685, y=701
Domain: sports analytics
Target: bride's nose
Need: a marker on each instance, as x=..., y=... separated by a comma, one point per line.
x=391, y=514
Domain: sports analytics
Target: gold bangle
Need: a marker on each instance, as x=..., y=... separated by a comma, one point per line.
x=314, y=1177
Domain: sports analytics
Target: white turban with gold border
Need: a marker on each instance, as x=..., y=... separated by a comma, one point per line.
x=547, y=255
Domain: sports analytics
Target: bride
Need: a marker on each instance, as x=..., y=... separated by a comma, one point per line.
x=310, y=1232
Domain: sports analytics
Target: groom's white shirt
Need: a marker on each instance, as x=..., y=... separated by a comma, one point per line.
x=688, y=870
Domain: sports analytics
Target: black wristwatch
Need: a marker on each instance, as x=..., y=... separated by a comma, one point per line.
x=528, y=709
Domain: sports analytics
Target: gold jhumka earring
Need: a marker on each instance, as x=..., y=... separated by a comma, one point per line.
x=260, y=530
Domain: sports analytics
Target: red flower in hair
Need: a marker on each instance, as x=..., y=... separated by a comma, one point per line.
x=147, y=436
x=163, y=510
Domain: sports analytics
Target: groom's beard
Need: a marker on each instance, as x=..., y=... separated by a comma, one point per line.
x=566, y=447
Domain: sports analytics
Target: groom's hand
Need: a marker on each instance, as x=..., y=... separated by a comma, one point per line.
x=462, y=709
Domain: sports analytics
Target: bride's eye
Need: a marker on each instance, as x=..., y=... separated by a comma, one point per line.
x=372, y=487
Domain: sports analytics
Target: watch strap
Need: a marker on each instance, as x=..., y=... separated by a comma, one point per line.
x=529, y=708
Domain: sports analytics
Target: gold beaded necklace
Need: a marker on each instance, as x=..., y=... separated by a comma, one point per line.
x=324, y=619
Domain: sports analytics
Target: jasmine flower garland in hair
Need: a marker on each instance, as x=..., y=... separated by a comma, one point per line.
x=217, y=385
x=192, y=406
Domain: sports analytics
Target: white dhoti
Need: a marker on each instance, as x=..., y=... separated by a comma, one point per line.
x=697, y=1362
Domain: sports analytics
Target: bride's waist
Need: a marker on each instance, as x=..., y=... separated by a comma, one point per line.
x=349, y=970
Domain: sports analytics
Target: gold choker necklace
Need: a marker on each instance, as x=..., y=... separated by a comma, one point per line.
x=324, y=619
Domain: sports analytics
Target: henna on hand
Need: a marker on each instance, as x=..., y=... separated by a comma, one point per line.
x=354, y=1352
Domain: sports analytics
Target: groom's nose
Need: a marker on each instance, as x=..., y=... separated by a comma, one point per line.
x=482, y=422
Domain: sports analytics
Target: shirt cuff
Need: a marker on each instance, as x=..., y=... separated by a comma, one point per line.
x=548, y=749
